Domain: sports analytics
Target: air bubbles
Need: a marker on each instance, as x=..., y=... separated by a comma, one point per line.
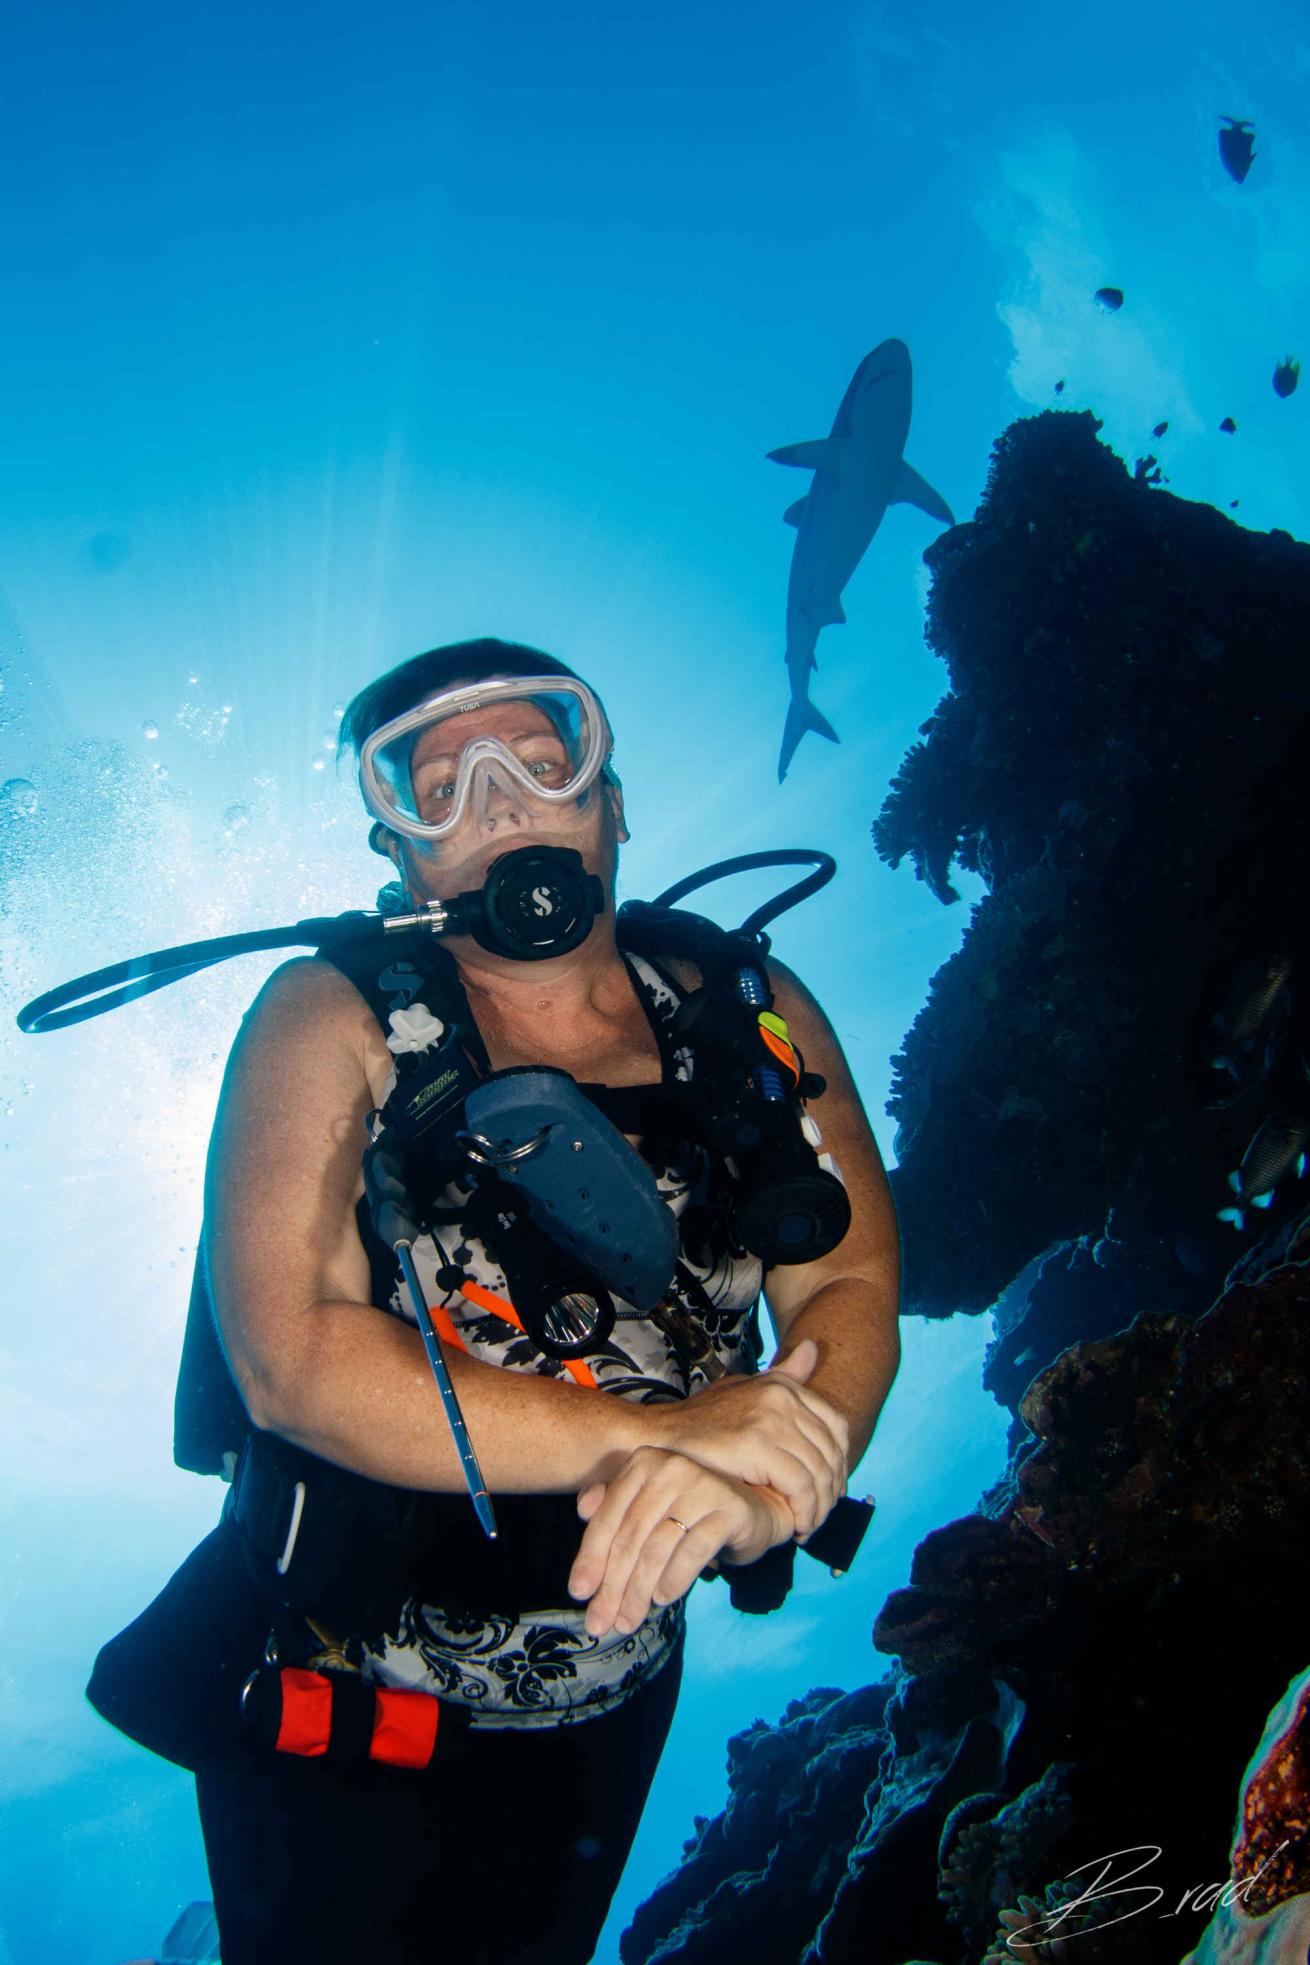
x=192, y=680
x=19, y=799
x=204, y=722
x=318, y=764
x=149, y=731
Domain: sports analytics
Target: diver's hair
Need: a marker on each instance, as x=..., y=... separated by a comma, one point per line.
x=410, y=683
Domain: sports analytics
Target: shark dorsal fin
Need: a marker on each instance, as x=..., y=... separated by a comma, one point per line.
x=911, y=489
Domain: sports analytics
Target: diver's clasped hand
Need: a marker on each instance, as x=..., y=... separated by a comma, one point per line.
x=654, y=1527
x=747, y=1464
x=770, y=1430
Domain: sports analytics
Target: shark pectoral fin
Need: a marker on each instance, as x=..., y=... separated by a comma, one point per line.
x=792, y=515
x=911, y=489
x=816, y=454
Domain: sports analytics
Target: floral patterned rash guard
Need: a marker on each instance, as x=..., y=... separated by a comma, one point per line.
x=542, y=1667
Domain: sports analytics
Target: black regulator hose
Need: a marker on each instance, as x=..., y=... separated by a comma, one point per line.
x=787, y=856
x=507, y=915
x=119, y=982
x=537, y=901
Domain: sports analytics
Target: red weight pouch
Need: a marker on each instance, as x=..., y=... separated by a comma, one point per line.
x=191, y=1678
x=333, y=1715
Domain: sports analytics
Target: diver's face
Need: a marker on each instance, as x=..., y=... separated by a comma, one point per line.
x=500, y=812
x=497, y=801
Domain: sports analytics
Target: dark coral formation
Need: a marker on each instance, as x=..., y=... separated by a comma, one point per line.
x=811, y=1773
x=1079, y=1673
x=1122, y=758
x=1081, y=1665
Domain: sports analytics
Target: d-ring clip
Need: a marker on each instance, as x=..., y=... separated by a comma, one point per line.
x=488, y=1154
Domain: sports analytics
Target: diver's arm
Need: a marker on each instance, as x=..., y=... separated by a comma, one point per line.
x=848, y=1300
x=312, y=1357
x=805, y=1438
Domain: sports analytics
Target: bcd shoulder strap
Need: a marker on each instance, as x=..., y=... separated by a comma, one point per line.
x=210, y=1421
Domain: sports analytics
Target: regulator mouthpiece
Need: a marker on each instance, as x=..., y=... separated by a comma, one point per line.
x=537, y=901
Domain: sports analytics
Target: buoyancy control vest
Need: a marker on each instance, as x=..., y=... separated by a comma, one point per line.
x=330, y=1543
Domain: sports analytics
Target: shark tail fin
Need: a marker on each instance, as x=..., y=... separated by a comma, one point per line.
x=802, y=716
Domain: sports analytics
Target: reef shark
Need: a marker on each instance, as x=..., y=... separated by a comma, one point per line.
x=858, y=472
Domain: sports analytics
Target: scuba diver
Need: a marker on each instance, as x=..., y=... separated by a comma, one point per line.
x=425, y=1666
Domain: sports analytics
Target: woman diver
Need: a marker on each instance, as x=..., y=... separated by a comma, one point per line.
x=559, y=1644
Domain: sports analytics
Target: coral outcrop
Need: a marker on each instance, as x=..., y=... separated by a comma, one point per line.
x=1122, y=758
x=1080, y=1666
x=1078, y=1674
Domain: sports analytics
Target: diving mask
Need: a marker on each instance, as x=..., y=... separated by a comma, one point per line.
x=540, y=738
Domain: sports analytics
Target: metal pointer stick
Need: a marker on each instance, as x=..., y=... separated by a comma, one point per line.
x=468, y=1459
x=396, y=1228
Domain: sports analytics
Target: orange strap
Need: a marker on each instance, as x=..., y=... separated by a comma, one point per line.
x=500, y=1306
x=445, y=1327
x=782, y=1050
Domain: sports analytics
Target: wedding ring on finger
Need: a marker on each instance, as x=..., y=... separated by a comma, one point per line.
x=627, y=1625
x=686, y=1529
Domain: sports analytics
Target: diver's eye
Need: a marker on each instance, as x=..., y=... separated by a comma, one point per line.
x=550, y=767
x=434, y=797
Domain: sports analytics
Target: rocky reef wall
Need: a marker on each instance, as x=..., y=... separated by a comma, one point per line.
x=1122, y=757
x=1088, y=1670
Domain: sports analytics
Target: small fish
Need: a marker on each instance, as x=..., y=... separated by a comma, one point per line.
x=1159, y=429
x=1286, y=376
x=193, y=1940
x=1228, y=425
x=1277, y=1149
x=1111, y=298
x=1193, y=1255
x=1236, y=147
x=1256, y=989
x=1059, y=388
x=1031, y=1517
x=1233, y=504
